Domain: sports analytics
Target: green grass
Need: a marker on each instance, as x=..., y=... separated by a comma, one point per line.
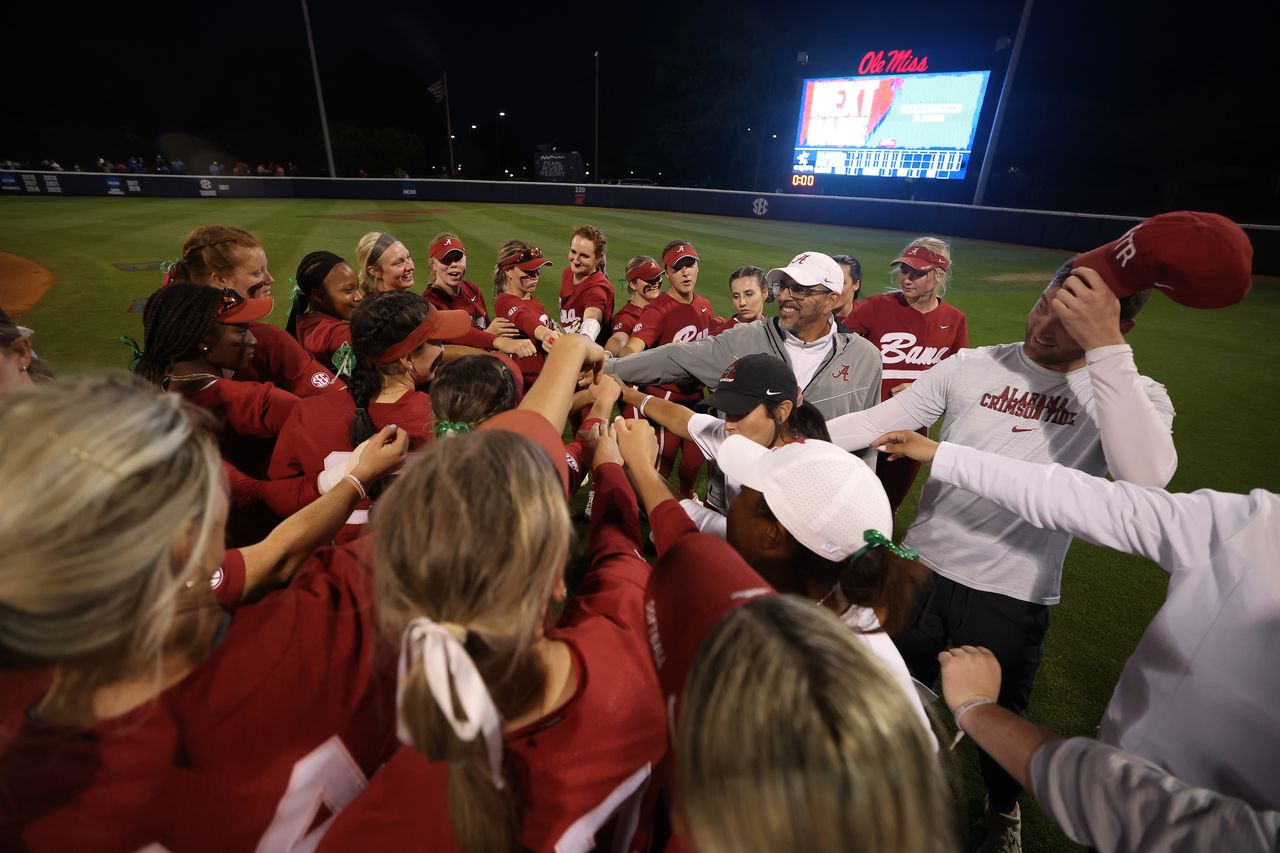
x=1219, y=366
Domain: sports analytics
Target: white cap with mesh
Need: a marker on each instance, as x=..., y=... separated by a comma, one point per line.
x=823, y=496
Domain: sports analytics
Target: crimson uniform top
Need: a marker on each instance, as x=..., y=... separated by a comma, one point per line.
x=468, y=298
x=280, y=360
x=290, y=713
x=321, y=335
x=318, y=436
x=585, y=769
x=251, y=414
x=526, y=315
x=719, y=324
x=910, y=342
x=626, y=318
x=666, y=320
x=595, y=291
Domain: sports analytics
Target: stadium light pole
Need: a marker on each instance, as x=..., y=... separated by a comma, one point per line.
x=597, y=117
x=1005, y=88
x=315, y=73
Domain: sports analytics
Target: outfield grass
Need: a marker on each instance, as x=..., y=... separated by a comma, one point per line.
x=1219, y=366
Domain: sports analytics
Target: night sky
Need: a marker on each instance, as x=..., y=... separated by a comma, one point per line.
x=1112, y=110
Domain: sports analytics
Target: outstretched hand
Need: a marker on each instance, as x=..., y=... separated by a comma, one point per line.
x=380, y=454
x=637, y=442
x=1089, y=311
x=515, y=347
x=604, y=443
x=968, y=673
x=908, y=443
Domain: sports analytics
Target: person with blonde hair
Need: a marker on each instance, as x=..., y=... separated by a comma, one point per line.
x=914, y=329
x=644, y=284
x=134, y=711
x=231, y=258
x=515, y=286
x=789, y=733
x=521, y=730
x=383, y=263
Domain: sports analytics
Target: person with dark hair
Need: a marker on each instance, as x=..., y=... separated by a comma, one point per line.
x=195, y=337
x=231, y=258
x=325, y=294
x=1068, y=393
x=750, y=292
x=852, y=293
x=469, y=391
x=757, y=397
x=396, y=343
x=586, y=294
x=915, y=329
x=19, y=364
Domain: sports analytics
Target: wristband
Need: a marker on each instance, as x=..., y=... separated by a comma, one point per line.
x=643, y=403
x=591, y=328
x=966, y=707
x=355, y=481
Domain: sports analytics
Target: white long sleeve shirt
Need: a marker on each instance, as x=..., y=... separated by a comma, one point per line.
x=1200, y=696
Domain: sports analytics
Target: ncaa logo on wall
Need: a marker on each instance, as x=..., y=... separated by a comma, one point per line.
x=760, y=206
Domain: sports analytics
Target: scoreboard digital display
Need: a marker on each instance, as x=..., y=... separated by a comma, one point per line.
x=888, y=126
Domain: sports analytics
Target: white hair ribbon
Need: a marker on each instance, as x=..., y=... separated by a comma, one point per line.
x=450, y=671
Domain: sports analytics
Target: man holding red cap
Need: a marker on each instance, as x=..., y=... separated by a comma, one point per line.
x=838, y=372
x=1070, y=394
x=586, y=295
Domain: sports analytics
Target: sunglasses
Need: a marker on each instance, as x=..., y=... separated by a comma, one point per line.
x=684, y=263
x=231, y=300
x=911, y=272
x=799, y=291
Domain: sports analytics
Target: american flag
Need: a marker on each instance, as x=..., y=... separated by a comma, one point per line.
x=437, y=90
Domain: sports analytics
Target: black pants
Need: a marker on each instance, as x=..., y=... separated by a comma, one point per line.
x=948, y=614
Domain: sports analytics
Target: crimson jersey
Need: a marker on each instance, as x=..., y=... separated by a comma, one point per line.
x=251, y=415
x=468, y=298
x=321, y=335
x=667, y=320
x=526, y=315
x=910, y=342
x=720, y=324
x=288, y=716
x=280, y=360
x=595, y=291
x=318, y=436
x=586, y=768
x=626, y=318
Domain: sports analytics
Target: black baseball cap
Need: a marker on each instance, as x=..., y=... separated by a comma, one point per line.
x=750, y=381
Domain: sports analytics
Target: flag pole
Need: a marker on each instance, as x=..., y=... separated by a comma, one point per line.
x=448, y=124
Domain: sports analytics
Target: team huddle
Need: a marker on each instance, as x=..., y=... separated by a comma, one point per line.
x=305, y=588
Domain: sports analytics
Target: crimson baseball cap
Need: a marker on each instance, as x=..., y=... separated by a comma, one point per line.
x=921, y=259
x=750, y=381
x=677, y=253
x=537, y=429
x=1201, y=260
x=236, y=309
x=696, y=583
x=529, y=259
x=811, y=269
x=648, y=271
x=445, y=246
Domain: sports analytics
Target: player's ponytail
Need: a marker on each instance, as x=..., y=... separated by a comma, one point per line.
x=470, y=391
x=380, y=322
x=445, y=581
x=804, y=422
x=510, y=250
x=885, y=582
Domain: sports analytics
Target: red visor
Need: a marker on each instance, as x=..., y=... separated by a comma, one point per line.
x=537, y=429
x=438, y=326
x=529, y=260
x=648, y=271
x=236, y=309
x=681, y=250
x=921, y=259
x=444, y=247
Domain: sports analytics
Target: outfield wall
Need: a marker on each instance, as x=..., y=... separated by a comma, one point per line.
x=1050, y=229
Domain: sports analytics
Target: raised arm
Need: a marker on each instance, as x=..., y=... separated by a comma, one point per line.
x=673, y=416
x=703, y=360
x=552, y=394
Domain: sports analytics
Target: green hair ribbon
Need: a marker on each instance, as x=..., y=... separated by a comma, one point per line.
x=167, y=266
x=137, y=352
x=344, y=360
x=296, y=293
x=442, y=427
x=876, y=539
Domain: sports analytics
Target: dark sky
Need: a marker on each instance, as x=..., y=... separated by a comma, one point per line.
x=1116, y=106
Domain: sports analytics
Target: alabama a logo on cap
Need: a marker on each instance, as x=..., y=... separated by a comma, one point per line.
x=729, y=371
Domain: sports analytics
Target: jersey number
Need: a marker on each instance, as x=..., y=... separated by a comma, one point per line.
x=327, y=776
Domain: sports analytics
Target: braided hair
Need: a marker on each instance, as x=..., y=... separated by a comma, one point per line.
x=210, y=249
x=312, y=271
x=174, y=322
x=380, y=322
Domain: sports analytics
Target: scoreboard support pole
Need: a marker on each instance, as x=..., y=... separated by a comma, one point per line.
x=1005, y=88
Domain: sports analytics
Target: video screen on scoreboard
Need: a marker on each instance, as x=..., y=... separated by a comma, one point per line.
x=890, y=126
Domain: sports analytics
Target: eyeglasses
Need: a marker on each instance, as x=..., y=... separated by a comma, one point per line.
x=231, y=300
x=799, y=291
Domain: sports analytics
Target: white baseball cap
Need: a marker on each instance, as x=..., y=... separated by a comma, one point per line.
x=825, y=497
x=810, y=269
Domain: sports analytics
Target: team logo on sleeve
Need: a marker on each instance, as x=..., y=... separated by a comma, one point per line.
x=320, y=380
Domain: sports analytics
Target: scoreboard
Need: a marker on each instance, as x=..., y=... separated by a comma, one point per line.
x=887, y=126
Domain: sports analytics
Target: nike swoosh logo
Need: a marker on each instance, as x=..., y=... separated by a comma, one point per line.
x=769, y=393
x=945, y=326
x=1025, y=429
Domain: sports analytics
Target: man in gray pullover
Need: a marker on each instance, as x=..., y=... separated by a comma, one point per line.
x=839, y=372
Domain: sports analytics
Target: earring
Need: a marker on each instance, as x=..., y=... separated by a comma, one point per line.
x=203, y=347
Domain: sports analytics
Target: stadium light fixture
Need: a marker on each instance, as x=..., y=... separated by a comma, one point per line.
x=473, y=127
